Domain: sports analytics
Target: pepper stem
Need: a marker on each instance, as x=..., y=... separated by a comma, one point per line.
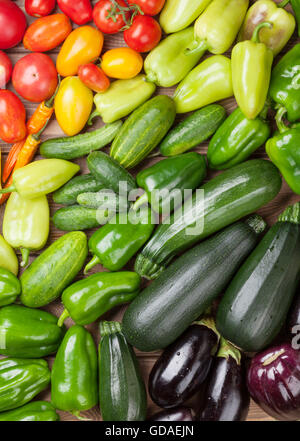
x=228, y=350
x=196, y=46
x=76, y=413
x=9, y=189
x=25, y=255
x=142, y=200
x=263, y=114
x=93, y=262
x=291, y=214
x=65, y=314
x=283, y=3
x=108, y=328
x=92, y=116
x=278, y=118
x=37, y=135
x=255, y=35
x=257, y=223
x=49, y=103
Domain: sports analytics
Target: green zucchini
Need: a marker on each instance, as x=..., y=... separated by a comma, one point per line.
x=53, y=270
x=122, y=393
x=143, y=131
x=67, y=194
x=76, y=217
x=162, y=312
x=227, y=198
x=196, y=128
x=255, y=305
x=105, y=199
x=110, y=172
x=73, y=147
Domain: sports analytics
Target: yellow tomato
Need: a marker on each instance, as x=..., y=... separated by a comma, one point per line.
x=73, y=104
x=122, y=63
x=83, y=45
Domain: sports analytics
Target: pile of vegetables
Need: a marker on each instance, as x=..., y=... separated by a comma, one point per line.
x=223, y=301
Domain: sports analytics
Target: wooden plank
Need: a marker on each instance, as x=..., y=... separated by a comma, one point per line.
x=269, y=212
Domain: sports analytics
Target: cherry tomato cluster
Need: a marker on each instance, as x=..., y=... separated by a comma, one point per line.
x=35, y=76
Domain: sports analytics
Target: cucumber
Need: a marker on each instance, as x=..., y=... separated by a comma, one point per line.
x=143, y=131
x=72, y=147
x=53, y=270
x=67, y=194
x=110, y=172
x=227, y=198
x=196, y=128
x=165, y=309
x=105, y=199
x=255, y=305
x=122, y=392
x=76, y=217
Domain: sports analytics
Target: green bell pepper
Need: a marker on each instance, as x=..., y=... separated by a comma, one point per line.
x=169, y=62
x=251, y=63
x=210, y=81
x=26, y=224
x=28, y=333
x=35, y=411
x=10, y=287
x=74, y=385
x=236, y=139
x=296, y=8
x=285, y=83
x=88, y=299
x=283, y=24
x=21, y=380
x=179, y=14
x=122, y=97
x=218, y=25
x=114, y=244
x=283, y=150
x=107, y=170
x=164, y=182
x=41, y=177
x=8, y=258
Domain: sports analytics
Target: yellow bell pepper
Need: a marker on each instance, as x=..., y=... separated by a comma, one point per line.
x=73, y=104
x=83, y=45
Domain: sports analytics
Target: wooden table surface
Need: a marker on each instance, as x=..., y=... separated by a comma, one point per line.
x=269, y=212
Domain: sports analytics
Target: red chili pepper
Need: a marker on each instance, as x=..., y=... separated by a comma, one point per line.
x=79, y=11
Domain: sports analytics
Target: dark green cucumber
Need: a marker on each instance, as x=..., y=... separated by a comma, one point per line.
x=122, y=393
x=110, y=172
x=196, y=128
x=162, y=312
x=53, y=270
x=143, y=131
x=255, y=305
x=76, y=217
x=105, y=199
x=227, y=198
x=80, y=145
x=67, y=194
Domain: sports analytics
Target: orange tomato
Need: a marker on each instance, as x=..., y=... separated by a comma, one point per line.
x=122, y=63
x=46, y=33
x=82, y=46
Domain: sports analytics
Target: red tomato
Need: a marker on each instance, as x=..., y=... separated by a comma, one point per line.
x=93, y=77
x=39, y=8
x=79, y=11
x=144, y=34
x=46, y=33
x=106, y=24
x=34, y=77
x=12, y=24
x=149, y=7
x=5, y=69
x=12, y=117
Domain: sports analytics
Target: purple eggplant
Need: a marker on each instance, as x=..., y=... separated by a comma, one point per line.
x=293, y=321
x=226, y=397
x=274, y=381
x=183, y=366
x=176, y=414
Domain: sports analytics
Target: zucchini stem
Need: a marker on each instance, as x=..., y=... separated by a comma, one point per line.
x=291, y=214
x=108, y=328
x=257, y=223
